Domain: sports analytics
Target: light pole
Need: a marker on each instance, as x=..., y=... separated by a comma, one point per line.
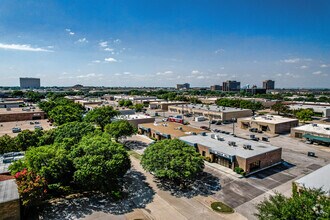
x=233, y=119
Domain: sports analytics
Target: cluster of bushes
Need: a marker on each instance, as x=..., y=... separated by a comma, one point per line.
x=240, y=171
x=238, y=103
x=129, y=104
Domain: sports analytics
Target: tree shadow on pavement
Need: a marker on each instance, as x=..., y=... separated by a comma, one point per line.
x=137, y=191
x=134, y=145
x=205, y=184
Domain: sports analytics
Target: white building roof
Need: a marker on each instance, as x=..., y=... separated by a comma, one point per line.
x=322, y=129
x=213, y=108
x=318, y=179
x=223, y=146
x=132, y=117
x=271, y=119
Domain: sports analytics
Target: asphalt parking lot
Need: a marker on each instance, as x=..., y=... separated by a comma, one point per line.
x=244, y=193
x=6, y=127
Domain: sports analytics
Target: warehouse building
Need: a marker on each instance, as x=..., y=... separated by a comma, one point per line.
x=318, y=179
x=21, y=114
x=272, y=124
x=319, y=133
x=167, y=130
x=232, y=152
x=323, y=111
x=164, y=105
x=136, y=119
x=225, y=114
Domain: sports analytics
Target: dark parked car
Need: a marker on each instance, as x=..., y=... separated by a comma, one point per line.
x=253, y=129
x=204, y=127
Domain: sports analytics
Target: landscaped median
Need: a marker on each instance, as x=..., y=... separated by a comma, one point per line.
x=221, y=207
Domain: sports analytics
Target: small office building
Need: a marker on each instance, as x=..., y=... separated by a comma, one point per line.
x=272, y=124
x=21, y=114
x=232, y=152
x=136, y=119
x=321, y=110
x=166, y=130
x=319, y=133
x=225, y=114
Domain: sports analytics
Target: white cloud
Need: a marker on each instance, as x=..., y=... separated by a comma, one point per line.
x=89, y=75
x=103, y=44
x=222, y=74
x=23, y=47
x=324, y=66
x=69, y=31
x=96, y=61
x=110, y=60
x=127, y=73
x=109, y=49
x=219, y=51
x=82, y=40
x=317, y=72
x=293, y=60
x=303, y=67
x=168, y=72
x=117, y=41
x=194, y=72
x=200, y=77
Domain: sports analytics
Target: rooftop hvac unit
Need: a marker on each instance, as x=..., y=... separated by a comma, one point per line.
x=247, y=146
x=314, y=125
x=231, y=143
x=213, y=136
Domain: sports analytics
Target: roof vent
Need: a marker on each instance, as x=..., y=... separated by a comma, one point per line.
x=247, y=147
x=314, y=125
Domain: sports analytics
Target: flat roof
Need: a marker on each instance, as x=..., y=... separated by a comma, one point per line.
x=223, y=146
x=8, y=191
x=132, y=117
x=314, y=128
x=318, y=179
x=316, y=108
x=4, y=111
x=270, y=119
x=212, y=108
x=172, y=128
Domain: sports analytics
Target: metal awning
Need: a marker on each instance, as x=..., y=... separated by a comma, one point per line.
x=317, y=138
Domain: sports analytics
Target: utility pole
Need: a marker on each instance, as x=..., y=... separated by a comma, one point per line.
x=182, y=114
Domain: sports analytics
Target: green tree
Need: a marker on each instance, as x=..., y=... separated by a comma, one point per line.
x=304, y=114
x=128, y=103
x=138, y=107
x=27, y=139
x=72, y=130
x=119, y=129
x=17, y=93
x=173, y=160
x=308, y=204
x=34, y=96
x=280, y=108
x=99, y=163
x=62, y=114
x=101, y=116
x=7, y=144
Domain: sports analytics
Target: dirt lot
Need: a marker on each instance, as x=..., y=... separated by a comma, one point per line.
x=6, y=127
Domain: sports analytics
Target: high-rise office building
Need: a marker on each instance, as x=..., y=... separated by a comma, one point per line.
x=231, y=86
x=268, y=84
x=29, y=83
x=216, y=88
x=183, y=86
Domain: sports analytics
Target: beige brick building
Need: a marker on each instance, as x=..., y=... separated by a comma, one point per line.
x=233, y=152
x=271, y=124
x=211, y=111
x=21, y=114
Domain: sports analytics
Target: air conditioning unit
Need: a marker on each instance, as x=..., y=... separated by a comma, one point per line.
x=213, y=136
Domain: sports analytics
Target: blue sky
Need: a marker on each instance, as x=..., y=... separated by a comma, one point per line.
x=161, y=43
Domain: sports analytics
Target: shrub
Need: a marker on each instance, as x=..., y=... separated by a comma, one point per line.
x=31, y=187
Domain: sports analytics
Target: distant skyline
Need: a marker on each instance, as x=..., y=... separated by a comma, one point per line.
x=162, y=43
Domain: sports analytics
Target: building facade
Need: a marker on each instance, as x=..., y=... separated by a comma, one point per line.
x=268, y=84
x=231, y=86
x=232, y=152
x=183, y=86
x=319, y=133
x=216, y=88
x=29, y=83
x=271, y=124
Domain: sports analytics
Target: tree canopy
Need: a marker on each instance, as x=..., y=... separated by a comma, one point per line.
x=119, y=129
x=101, y=116
x=304, y=114
x=99, y=163
x=308, y=204
x=173, y=160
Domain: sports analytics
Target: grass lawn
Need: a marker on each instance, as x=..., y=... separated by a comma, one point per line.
x=221, y=207
x=134, y=154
